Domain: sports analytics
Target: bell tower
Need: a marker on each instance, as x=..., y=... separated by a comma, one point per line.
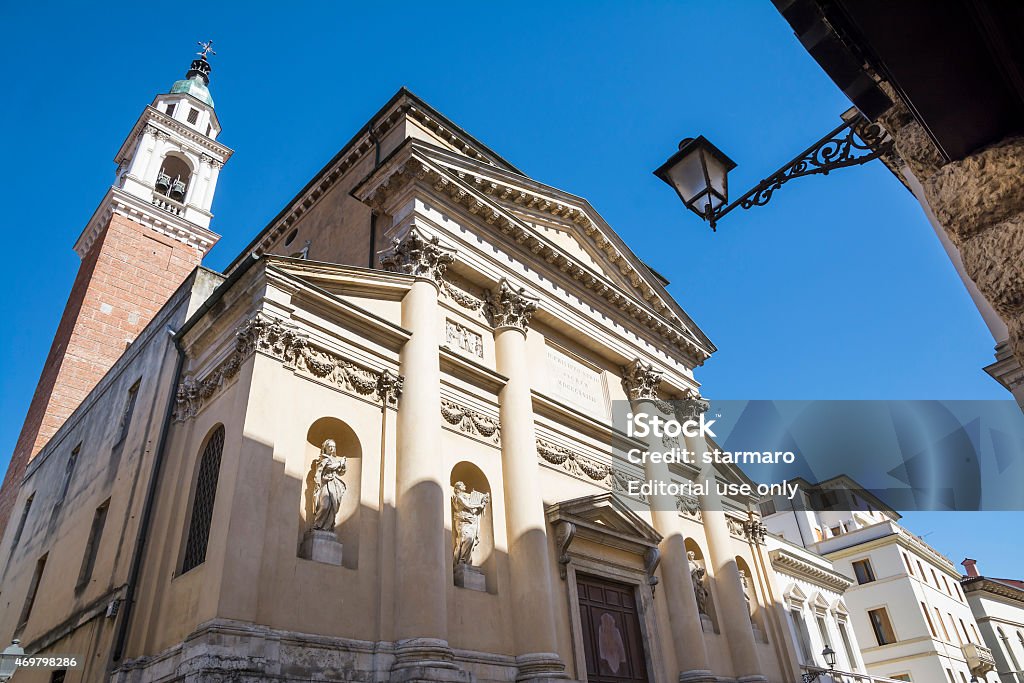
x=151, y=229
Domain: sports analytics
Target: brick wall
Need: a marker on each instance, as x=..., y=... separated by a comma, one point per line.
x=127, y=276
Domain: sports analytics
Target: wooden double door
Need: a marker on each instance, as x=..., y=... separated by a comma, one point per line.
x=612, y=640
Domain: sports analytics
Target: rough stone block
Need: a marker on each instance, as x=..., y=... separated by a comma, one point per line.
x=470, y=577
x=321, y=546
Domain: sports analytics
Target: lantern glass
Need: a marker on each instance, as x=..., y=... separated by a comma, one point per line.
x=830, y=657
x=9, y=660
x=698, y=173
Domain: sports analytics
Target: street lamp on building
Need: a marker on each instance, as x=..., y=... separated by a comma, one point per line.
x=830, y=659
x=699, y=171
x=9, y=660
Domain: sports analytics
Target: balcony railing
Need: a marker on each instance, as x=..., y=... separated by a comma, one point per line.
x=167, y=204
x=848, y=676
x=979, y=658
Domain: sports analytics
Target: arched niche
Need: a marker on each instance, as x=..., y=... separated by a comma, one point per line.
x=709, y=617
x=174, y=177
x=483, y=555
x=753, y=603
x=347, y=527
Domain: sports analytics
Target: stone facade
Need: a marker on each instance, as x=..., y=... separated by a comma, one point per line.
x=289, y=355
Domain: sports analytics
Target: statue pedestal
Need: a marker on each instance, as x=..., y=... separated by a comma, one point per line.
x=468, y=576
x=321, y=546
x=706, y=624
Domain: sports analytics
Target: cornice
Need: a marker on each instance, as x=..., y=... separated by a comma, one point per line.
x=120, y=202
x=153, y=115
x=983, y=584
x=391, y=178
x=787, y=563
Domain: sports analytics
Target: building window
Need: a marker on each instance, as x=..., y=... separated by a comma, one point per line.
x=927, y=617
x=99, y=520
x=193, y=115
x=977, y=638
x=881, y=625
x=851, y=657
x=906, y=561
x=21, y=523
x=952, y=625
x=963, y=679
x=58, y=676
x=901, y=677
x=862, y=569
x=126, y=414
x=170, y=109
x=945, y=631
x=69, y=471
x=796, y=619
x=945, y=582
x=823, y=632
x=935, y=577
x=837, y=530
x=30, y=597
x=202, y=502
x=949, y=672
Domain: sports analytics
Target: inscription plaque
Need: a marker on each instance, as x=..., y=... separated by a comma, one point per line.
x=576, y=384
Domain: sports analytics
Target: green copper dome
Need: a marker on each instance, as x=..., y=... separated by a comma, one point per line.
x=195, y=82
x=193, y=87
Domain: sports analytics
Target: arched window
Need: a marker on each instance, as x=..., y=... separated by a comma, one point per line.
x=173, y=178
x=202, y=502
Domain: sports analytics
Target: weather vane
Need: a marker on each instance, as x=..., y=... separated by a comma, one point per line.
x=207, y=49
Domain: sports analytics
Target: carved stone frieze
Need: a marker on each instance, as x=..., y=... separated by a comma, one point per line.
x=290, y=345
x=419, y=255
x=640, y=380
x=582, y=467
x=461, y=337
x=510, y=307
x=755, y=531
x=689, y=507
x=462, y=297
x=471, y=421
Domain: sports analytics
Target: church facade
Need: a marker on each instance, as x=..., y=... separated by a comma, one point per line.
x=378, y=447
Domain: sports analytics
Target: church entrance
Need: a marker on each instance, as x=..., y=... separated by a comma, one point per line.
x=612, y=640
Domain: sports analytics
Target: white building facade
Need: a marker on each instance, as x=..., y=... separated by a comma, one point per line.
x=998, y=607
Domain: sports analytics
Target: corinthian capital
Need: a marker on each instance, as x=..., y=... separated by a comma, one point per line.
x=418, y=255
x=640, y=380
x=510, y=307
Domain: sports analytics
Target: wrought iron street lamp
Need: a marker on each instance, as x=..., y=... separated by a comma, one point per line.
x=699, y=171
x=9, y=660
x=830, y=659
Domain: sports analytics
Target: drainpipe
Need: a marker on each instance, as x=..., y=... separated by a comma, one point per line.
x=148, y=506
x=373, y=214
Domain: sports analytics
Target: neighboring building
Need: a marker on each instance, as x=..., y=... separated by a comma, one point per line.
x=311, y=469
x=998, y=607
x=946, y=81
x=815, y=612
x=150, y=231
x=909, y=615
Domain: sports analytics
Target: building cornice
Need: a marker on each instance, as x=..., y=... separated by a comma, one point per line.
x=407, y=166
x=117, y=201
x=983, y=584
x=786, y=562
x=153, y=116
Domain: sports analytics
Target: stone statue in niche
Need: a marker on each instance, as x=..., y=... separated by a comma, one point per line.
x=329, y=488
x=697, y=574
x=467, y=508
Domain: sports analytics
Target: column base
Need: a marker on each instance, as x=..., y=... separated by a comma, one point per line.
x=321, y=546
x=697, y=676
x=426, y=660
x=756, y=678
x=467, y=576
x=540, y=667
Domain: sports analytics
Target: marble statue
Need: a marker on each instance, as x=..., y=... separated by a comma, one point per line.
x=329, y=488
x=697, y=574
x=467, y=508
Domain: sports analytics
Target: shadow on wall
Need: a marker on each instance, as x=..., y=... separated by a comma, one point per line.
x=347, y=444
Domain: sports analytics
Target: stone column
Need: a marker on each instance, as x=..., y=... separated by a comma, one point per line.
x=640, y=381
x=421, y=615
x=533, y=622
x=733, y=613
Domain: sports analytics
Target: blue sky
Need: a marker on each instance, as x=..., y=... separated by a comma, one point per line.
x=837, y=289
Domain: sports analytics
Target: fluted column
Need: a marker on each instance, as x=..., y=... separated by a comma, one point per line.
x=421, y=614
x=640, y=381
x=733, y=612
x=533, y=622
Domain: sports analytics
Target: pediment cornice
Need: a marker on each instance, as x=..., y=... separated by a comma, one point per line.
x=413, y=163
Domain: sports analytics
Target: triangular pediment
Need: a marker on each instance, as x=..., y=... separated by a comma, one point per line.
x=605, y=518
